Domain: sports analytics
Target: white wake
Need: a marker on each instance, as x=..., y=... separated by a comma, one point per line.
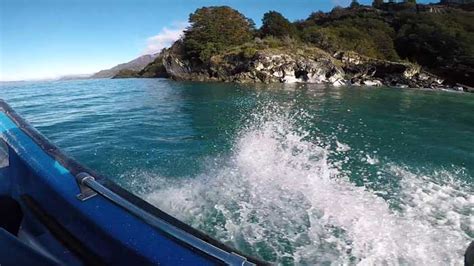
x=278, y=196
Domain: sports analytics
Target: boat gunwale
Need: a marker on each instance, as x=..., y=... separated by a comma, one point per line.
x=74, y=167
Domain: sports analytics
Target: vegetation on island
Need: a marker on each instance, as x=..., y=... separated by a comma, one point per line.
x=437, y=37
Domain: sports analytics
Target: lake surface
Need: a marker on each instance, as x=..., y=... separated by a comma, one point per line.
x=293, y=174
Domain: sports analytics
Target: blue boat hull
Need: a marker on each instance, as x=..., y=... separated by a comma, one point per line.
x=112, y=227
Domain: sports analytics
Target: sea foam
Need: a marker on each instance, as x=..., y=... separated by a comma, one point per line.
x=278, y=196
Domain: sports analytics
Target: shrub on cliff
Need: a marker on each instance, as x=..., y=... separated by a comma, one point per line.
x=275, y=24
x=213, y=29
x=354, y=33
x=444, y=43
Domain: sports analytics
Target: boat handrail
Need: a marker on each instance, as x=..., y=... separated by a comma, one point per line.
x=86, y=181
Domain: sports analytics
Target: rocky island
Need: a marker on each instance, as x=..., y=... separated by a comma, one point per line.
x=392, y=44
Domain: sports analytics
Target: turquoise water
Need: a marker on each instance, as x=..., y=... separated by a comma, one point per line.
x=293, y=174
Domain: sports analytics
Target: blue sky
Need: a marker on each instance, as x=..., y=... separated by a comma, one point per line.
x=50, y=38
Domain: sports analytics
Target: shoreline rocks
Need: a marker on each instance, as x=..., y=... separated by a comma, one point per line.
x=303, y=65
x=374, y=72
x=267, y=66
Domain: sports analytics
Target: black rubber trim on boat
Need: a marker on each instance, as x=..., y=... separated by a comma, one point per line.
x=81, y=251
x=75, y=168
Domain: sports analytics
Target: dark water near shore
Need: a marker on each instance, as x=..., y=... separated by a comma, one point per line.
x=293, y=174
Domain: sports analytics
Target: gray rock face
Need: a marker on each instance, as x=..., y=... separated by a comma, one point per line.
x=264, y=66
x=178, y=68
x=373, y=72
x=308, y=66
x=290, y=68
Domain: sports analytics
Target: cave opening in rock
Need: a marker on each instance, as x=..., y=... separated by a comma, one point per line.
x=301, y=74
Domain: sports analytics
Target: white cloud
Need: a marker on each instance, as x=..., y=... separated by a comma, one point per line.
x=341, y=2
x=165, y=38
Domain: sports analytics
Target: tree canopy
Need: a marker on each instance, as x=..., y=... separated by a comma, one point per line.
x=213, y=29
x=354, y=4
x=444, y=43
x=275, y=24
x=342, y=29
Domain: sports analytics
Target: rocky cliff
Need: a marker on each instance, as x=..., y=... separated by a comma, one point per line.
x=308, y=64
x=305, y=65
x=362, y=70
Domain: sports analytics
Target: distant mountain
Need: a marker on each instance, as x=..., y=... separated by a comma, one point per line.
x=136, y=64
x=155, y=69
x=74, y=77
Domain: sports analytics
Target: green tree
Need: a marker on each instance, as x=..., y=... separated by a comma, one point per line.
x=442, y=43
x=354, y=4
x=213, y=29
x=377, y=3
x=275, y=24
